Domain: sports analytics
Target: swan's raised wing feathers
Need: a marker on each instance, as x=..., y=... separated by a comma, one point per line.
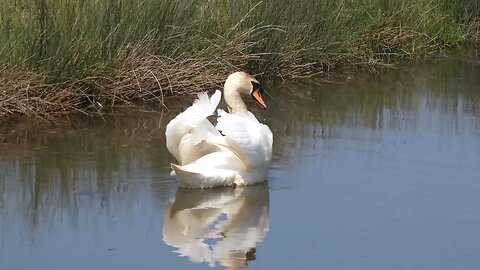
x=254, y=138
x=190, y=127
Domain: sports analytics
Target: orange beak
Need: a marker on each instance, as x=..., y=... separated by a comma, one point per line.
x=258, y=97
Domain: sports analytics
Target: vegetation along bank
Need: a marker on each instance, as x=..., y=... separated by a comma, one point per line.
x=63, y=56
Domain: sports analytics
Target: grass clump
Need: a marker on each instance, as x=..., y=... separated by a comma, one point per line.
x=82, y=55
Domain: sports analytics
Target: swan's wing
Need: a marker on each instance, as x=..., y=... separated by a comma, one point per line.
x=229, y=145
x=187, y=130
x=254, y=139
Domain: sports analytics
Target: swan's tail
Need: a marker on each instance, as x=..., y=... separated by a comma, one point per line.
x=184, y=176
x=190, y=177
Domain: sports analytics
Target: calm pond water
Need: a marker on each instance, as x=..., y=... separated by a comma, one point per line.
x=372, y=172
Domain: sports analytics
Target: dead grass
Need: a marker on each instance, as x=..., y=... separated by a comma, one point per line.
x=139, y=77
x=27, y=93
x=89, y=56
x=474, y=30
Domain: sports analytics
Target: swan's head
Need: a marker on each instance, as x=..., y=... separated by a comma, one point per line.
x=245, y=84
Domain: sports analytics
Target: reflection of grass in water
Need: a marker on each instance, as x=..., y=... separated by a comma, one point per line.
x=119, y=51
x=397, y=100
x=102, y=167
x=88, y=155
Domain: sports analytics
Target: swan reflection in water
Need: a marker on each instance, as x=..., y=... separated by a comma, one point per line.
x=220, y=225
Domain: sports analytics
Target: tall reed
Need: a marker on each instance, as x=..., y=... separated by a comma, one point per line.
x=105, y=52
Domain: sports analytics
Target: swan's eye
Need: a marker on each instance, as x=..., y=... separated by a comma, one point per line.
x=256, y=87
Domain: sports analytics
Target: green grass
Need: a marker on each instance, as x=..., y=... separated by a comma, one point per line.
x=120, y=51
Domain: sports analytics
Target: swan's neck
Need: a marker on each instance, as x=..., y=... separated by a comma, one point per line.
x=234, y=100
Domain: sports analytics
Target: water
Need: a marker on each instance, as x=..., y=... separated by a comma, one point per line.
x=370, y=172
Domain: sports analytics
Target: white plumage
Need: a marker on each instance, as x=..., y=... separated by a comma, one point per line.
x=238, y=151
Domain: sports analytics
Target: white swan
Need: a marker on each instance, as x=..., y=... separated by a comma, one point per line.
x=236, y=152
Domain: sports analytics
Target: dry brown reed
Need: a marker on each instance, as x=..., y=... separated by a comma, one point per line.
x=474, y=30
x=143, y=77
x=27, y=93
x=140, y=77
